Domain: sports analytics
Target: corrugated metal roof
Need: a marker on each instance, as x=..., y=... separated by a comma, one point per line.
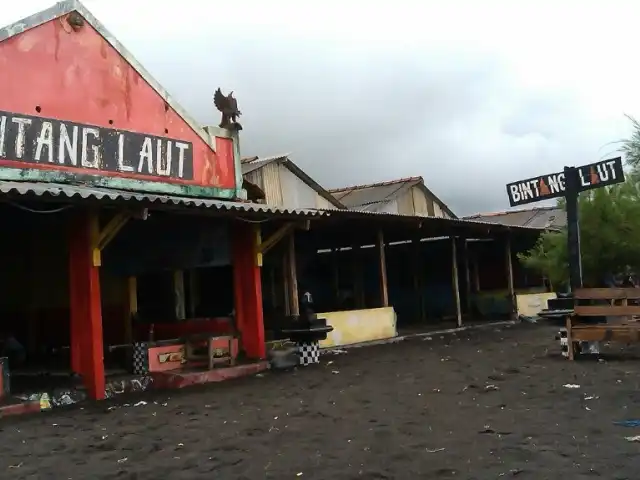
x=468, y=222
x=538, y=217
x=251, y=164
x=375, y=196
x=108, y=195
x=35, y=189
x=362, y=195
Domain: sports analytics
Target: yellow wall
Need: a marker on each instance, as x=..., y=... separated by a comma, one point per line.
x=530, y=304
x=356, y=326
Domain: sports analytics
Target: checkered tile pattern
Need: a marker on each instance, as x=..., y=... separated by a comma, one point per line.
x=309, y=352
x=140, y=358
x=564, y=342
x=592, y=348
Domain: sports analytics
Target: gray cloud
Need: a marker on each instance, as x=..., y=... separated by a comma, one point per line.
x=464, y=118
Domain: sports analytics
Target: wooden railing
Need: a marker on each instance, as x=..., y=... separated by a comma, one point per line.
x=618, y=306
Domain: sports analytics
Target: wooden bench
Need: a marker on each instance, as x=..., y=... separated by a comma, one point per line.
x=611, y=303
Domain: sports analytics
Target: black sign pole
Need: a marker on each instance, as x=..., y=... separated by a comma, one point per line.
x=572, y=183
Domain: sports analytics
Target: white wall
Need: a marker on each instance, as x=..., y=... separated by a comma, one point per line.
x=296, y=193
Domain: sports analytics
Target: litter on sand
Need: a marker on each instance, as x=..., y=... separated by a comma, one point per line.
x=627, y=423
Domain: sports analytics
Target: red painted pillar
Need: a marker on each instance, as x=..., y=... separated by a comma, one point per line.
x=86, y=308
x=247, y=284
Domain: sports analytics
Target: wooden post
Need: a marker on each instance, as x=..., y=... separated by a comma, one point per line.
x=418, y=284
x=86, y=309
x=384, y=294
x=286, y=289
x=132, y=308
x=476, y=275
x=512, y=296
x=194, y=297
x=467, y=277
x=272, y=286
x=570, y=345
x=293, y=275
x=335, y=268
x=454, y=275
x=358, y=287
x=31, y=306
x=179, y=295
x=248, y=289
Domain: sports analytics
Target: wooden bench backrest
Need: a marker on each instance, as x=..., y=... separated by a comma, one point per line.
x=617, y=296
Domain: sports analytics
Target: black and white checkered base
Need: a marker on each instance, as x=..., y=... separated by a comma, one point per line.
x=140, y=358
x=592, y=348
x=564, y=342
x=309, y=352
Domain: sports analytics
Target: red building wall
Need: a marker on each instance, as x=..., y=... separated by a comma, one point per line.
x=56, y=72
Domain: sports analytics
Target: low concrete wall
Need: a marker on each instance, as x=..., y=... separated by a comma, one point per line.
x=357, y=326
x=529, y=304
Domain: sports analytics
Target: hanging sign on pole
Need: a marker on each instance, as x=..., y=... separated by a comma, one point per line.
x=568, y=184
x=554, y=185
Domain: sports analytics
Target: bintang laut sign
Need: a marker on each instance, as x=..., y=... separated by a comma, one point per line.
x=595, y=175
x=36, y=140
x=568, y=184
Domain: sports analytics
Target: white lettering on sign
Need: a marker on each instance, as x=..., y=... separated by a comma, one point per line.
x=595, y=175
x=21, y=137
x=547, y=186
x=556, y=183
x=90, y=159
x=604, y=172
x=182, y=148
x=123, y=167
x=163, y=159
x=527, y=190
x=68, y=145
x=38, y=140
x=145, y=155
x=45, y=140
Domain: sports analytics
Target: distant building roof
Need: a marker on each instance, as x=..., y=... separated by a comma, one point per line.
x=538, y=217
x=251, y=164
x=372, y=197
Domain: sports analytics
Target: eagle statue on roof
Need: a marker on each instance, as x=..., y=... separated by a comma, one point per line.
x=228, y=106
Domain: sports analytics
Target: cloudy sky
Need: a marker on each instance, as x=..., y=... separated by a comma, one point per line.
x=470, y=95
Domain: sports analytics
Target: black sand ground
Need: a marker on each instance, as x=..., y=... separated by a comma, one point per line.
x=483, y=404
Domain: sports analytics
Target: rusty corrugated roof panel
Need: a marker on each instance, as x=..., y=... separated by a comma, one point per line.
x=538, y=217
x=375, y=196
x=364, y=195
x=251, y=164
x=358, y=195
x=44, y=190
x=255, y=165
